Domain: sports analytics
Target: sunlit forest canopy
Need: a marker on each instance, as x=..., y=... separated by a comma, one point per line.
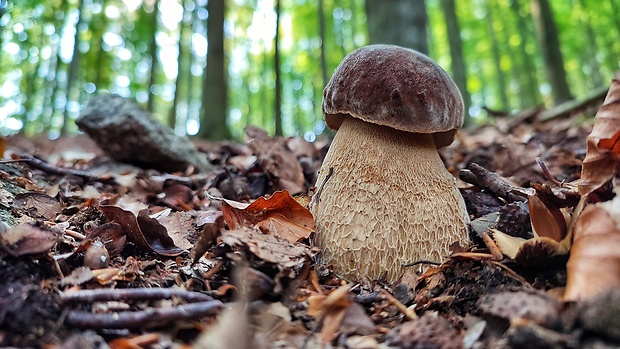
x=225, y=64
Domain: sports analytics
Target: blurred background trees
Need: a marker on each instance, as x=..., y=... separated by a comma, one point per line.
x=211, y=67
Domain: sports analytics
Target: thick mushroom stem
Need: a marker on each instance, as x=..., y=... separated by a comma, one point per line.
x=385, y=200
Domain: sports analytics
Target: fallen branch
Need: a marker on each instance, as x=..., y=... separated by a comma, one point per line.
x=134, y=319
x=481, y=177
x=132, y=294
x=61, y=171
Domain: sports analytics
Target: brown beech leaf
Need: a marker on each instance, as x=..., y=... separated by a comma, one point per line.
x=278, y=215
x=268, y=247
x=547, y=219
x=602, y=146
x=330, y=310
x=37, y=205
x=143, y=230
x=208, y=237
x=27, y=239
x=594, y=263
x=111, y=234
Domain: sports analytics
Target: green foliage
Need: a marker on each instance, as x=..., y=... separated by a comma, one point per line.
x=36, y=42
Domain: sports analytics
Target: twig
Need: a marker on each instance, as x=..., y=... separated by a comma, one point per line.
x=317, y=195
x=132, y=294
x=410, y=314
x=413, y=264
x=133, y=319
x=369, y=298
x=546, y=172
x=46, y=167
x=489, y=180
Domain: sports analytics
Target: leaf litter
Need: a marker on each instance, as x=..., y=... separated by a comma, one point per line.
x=225, y=258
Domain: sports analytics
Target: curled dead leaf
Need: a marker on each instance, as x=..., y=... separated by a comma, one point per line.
x=279, y=215
x=602, y=145
x=594, y=264
x=143, y=230
x=547, y=219
x=268, y=247
x=27, y=239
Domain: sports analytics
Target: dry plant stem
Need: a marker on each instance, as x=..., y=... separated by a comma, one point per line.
x=492, y=246
x=132, y=294
x=410, y=314
x=44, y=166
x=389, y=201
x=546, y=172
x=133, y=319
x=493, y=182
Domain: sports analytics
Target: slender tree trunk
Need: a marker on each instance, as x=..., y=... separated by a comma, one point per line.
x=530, y=93
x=98, y=46
x=55, y=65
x=213, y=123
x=265, y=97
x=181, y=47
x=321, y=14
x=398, y=22
x=278, y=99
x=499, y=72
x=191, y=95
x=590, y=58
x=74, y=68
x=459, y=69
x=150, y=103
x=551, y=52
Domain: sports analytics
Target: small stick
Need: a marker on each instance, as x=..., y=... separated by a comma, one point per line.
x=75, y=234
x=46, y=167
x=410, y=314
x=133, y=319
x=132, y=294
x=369, y=298
x=546, y=172
x=493, y=182
x=413, y=264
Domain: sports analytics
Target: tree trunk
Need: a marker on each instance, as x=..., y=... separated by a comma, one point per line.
x=98, y=46
x=154, y=61
x=398, y=22
x=550, y=47
x=181, y=47
x=213, y=121
x=590, y=56
x=499, y=72
x=459, y=69
x=530, y=92
x=74, y=68
x=278, y=99
x=321, y=14
x=55, y=65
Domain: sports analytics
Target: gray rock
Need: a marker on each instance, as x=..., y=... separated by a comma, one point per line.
x=130, y=134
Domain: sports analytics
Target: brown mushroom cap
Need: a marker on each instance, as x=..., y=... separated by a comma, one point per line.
x=395, y=87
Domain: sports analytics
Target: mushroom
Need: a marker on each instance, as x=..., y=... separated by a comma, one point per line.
x=384, y=197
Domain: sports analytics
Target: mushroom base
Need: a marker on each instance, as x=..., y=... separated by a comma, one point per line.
x=389, y=201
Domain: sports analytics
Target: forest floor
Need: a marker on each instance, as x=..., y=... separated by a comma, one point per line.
x=97, y=254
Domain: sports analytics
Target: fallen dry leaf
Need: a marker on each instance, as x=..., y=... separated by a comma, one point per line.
x=37, y=205
x=208, y=238
x=111, y=234
x=143, y=230
x=330, y=310
x=547, y=219
x=594, y=263
x=268, y=247
x=279, y=215
x=27, y=239
x=602, y=147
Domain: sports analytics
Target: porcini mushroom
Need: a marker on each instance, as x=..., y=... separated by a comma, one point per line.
x=384, y=196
